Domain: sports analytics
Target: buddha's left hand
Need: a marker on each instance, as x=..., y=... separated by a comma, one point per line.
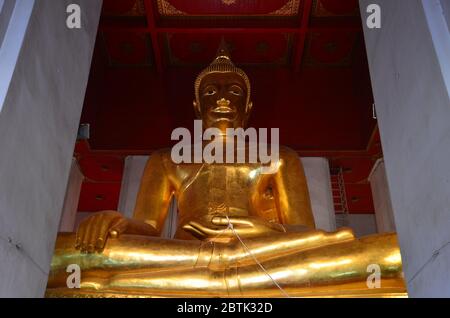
x=223, y=227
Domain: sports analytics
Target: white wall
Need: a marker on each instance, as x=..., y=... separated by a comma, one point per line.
x=38, y=126
x=408, y=60
x=14, y=18
x=362, y=224
x=317, y=172
x=71, y=198
x=6, y=10
x=384, y=214
x=131, y=181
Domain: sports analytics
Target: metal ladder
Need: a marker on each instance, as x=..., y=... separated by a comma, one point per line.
x=339, y=197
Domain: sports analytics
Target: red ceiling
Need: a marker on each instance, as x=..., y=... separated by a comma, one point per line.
x=305, y=58
x=228, y=8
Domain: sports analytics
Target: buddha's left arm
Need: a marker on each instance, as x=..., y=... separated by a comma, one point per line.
x=291, y=191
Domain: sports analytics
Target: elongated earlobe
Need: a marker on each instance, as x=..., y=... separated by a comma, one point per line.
x=196, y=109
x=248, y=111
x=249, y=108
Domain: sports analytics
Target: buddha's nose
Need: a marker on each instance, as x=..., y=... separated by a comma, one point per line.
x=223, y=102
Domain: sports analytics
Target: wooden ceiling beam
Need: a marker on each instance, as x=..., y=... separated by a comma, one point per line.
x=180, y=30
x=156, y=32
x=152, y=29
x=304, y=24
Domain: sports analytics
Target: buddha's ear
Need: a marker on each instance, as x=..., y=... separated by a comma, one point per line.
x=249, y=108
x=248, y=111
x=197, y=111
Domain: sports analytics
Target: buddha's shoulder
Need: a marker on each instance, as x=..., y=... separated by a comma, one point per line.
x=287, y=153
x=161, y=155
x=163, y=158
x=162, y=152
x=165, y=155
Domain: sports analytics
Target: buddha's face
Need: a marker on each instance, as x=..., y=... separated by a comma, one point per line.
x=223, y=101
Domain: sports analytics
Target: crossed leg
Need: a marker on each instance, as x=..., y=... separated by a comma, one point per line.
x=298, y=262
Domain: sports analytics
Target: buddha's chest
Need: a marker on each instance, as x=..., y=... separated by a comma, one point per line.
x=216, y=189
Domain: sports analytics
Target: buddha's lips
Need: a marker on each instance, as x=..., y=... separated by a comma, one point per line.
x=223, y=110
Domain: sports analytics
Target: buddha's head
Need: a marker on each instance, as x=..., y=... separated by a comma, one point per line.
x=222, y=94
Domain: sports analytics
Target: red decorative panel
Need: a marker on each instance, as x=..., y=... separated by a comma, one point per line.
x=81, y=147
x=228, y=8
x=102, y=167
x=99, y=196
x=198, y=49
x=330, y=48
x=331, y=8
x=129, y=8
x=359, y=198
x=128, y=48
x=375, y=149
x=356, y=170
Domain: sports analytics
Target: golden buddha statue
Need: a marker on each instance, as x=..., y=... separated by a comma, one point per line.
x=240, y=232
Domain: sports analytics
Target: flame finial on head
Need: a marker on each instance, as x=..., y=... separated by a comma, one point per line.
x=222, y=64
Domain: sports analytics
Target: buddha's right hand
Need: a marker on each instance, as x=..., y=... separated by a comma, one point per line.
x=94, y=231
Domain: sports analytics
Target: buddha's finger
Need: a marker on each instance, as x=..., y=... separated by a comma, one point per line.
x=194, y=231
x=193, y=225
x=86, y=234
x=201, y=234
x=118, y=227
x=101, y=230
x=94, y=232
x=207, y=231
x=102, y=233
x=81, y=233
x=224, y=221
x=78, y=237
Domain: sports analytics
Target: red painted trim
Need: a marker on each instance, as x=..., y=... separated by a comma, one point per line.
x=227, y=30
x=299, y=52
x=304, y=23
x=159, y=30
x=152, y=28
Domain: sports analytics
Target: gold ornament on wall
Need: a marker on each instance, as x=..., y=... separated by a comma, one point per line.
x=229, y=2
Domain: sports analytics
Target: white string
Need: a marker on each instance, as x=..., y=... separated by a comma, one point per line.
x=210, y=241
x=230, y=225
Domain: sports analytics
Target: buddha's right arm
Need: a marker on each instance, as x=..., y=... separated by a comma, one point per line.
x=149, y=214
x=95, y=230
x=154, y=194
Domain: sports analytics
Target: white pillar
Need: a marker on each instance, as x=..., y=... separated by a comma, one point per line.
x=362, y=224
x=70, y=207
x=316, y=171
x=410, y=71
x=132, y=174
x=14, y=19
x=381, y=198
x=38, y=127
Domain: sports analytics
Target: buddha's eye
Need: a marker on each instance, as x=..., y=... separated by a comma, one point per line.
x=235, y=90
x=209, y=91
